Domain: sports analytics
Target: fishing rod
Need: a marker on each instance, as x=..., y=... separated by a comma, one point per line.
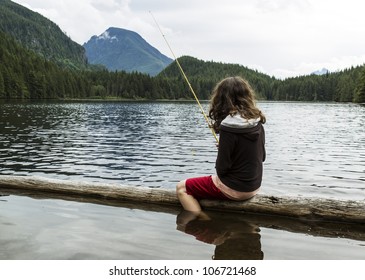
x=187, y=80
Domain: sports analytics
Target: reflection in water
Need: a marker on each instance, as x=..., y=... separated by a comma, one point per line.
x=1, y=195
x=46, y=227
x=234, y=239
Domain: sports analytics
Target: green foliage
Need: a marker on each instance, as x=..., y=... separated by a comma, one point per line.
x=2, y=86
x=360, y=91
x=26, y=75
x=204, y=75
x=41, y=35
x=38, y=61
x=338, y=86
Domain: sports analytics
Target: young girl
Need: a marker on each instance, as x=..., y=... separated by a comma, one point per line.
x=241, y=149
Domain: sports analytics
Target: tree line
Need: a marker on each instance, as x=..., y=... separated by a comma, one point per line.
x=342, y=86
x=26, y=75
x=360, y=91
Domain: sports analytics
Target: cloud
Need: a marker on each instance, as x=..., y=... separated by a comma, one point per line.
x=279, y=37
x=110, y=6
x=278, y=6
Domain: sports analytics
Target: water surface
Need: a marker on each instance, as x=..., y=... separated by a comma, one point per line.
x=61, y=229
x=313, y=149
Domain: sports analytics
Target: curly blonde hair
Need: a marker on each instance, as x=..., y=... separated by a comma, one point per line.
x=230, y=96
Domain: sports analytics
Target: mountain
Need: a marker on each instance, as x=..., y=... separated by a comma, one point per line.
x=344, y=86
x=39, y=34
x=323, y=71
x=121, y=49
x=203, y=76
x=34, y=53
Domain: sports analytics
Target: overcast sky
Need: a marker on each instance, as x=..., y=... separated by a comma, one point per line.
x=283, y=38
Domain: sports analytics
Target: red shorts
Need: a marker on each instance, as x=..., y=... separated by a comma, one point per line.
x=203, y=188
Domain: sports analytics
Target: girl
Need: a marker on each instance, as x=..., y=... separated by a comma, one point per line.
x=241, y=149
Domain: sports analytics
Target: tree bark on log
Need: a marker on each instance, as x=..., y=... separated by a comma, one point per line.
x=302, y=208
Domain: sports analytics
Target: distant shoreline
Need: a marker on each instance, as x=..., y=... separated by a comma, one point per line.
x=112, y=99
x=2, y=100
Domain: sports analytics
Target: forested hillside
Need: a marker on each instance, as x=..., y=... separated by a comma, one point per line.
x=360, y=91
x=41, y=35
x=203, y=76
x=26, y=75
x=339, y=86
x=38, y=61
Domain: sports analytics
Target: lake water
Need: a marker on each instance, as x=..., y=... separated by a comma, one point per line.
x=313, y=149
x=42, y=229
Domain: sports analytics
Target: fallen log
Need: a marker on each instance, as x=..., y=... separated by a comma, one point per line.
x=331, y=229
x=302, y=208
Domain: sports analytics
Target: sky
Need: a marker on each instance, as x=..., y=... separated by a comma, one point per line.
x=281, y=38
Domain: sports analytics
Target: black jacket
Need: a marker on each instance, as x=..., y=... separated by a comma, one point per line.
x=241, y=153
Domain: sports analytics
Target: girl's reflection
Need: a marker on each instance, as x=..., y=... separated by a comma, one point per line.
x=235, y=239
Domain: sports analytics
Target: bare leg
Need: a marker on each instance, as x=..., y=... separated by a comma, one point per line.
x=188, y=202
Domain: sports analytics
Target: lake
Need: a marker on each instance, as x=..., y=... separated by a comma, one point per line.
x=39, y=228
x=313, y=149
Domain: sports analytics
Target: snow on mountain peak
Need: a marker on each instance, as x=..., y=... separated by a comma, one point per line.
x=106, y=36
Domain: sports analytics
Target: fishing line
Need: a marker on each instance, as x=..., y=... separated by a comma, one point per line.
x=186, y=79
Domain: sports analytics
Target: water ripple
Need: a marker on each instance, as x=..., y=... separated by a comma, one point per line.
x=315, y=149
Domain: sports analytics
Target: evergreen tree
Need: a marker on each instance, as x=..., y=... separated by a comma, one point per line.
x=25, y=74
x=2, y=86
x=36, y=85
x=360, y=92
